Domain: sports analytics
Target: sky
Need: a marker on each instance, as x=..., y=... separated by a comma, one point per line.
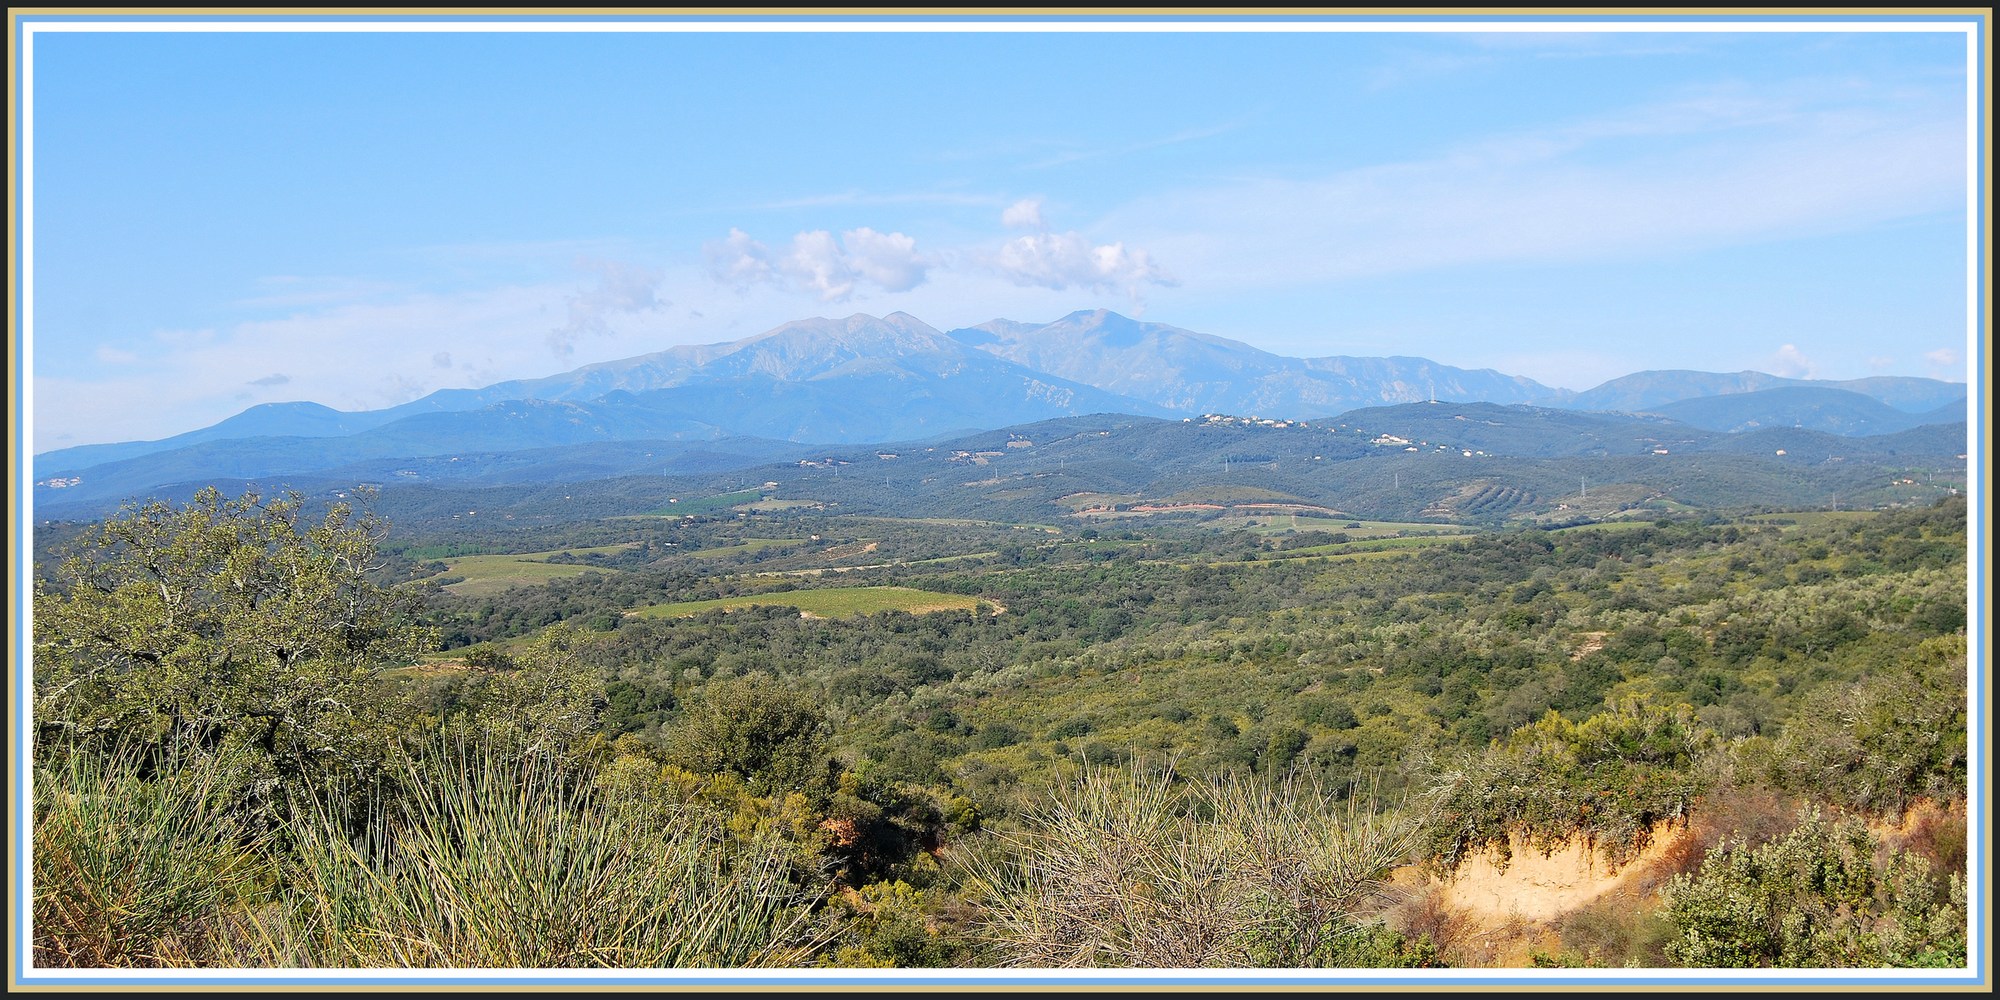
x=224, y=218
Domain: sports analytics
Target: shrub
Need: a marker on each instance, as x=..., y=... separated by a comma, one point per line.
x=1816, y=897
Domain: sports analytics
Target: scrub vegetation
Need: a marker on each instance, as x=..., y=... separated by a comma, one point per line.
x=795, y=738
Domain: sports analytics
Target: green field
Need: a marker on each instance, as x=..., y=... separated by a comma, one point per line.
x=706, y=505
x=1813, y=518
x=830, y=602
x=745, y=546
x=485, y=576
x=1368, y=545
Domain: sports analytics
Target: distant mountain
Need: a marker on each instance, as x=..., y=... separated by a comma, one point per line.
x=829, y=381
x=1472, y=461
x=859, y=378
x=1197, y=373
x=897, y=346
x=1645, y=392
x=262, y=420
x=1835, y=411
x=864, y=380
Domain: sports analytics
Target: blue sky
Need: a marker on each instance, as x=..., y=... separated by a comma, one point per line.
x=224, y=218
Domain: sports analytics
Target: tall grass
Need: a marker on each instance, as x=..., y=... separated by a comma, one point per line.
x=1138, y=870
x=489, y=862
x=138, y=861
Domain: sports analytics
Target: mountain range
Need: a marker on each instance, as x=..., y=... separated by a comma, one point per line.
x=864, y=379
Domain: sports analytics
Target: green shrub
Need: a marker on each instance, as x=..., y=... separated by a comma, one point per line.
x=1816, y=898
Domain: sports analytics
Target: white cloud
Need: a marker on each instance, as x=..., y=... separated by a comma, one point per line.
x=1790, y=362
x=738, y=260
x=889, y=260
x=816, y=261
x=1880, y=363
x=115, y=356
x=1068, y=260
x=1023, y=214
x=831, y=268
x=273, y=379
x=621, y=288
x=1943, y=357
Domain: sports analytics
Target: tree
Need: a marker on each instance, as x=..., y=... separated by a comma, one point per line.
x=773, y=738
x=236, y=623
x=546, y=700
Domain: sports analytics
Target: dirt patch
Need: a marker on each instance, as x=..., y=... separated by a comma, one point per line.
x=1542, y=887
x=1484, y=916
x=1592, y=642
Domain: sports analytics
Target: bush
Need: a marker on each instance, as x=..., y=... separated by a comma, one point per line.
x=1884, y=742
x=1816, y=898
x=1609, y=780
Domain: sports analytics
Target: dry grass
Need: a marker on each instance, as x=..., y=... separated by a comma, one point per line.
x=1135, y=869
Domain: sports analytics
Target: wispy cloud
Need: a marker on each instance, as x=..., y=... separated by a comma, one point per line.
x=291, y=291
x=1711, y=171
x=1023, y=214
x=620, y=288
x=866, y=199
x=1790, y=362
x=1080, y=154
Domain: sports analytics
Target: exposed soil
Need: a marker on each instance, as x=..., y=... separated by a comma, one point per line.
x=1484, y=916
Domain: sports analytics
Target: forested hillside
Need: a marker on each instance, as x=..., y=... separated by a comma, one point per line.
x=274, y=733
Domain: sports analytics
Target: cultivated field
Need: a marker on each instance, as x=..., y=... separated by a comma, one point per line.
x=831, y=602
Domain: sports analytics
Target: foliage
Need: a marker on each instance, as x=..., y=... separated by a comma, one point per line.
x=1609, y=780
x=772, y=738
x=1816, y=897
x=503, y=861
x=1582, y=681
x=1879, y=744
x=1134, y=869
x=544, y=699
x=132, y=870
x=239, y=622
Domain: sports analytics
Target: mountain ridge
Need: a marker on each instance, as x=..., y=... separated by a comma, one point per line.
x=861, y=379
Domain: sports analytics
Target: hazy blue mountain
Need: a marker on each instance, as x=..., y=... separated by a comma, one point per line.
x=1197, y=373
x=1647, y=391
x=1835, y=411
x=263, y=420
x=857, y=379
x=1801, y=445
x=898, y=345
x=863, y=380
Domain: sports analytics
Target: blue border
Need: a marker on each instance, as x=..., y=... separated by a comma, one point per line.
x=947, y=20
x=1980, y=902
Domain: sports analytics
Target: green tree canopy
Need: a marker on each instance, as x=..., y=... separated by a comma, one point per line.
x=236, y=622
x=773, y=738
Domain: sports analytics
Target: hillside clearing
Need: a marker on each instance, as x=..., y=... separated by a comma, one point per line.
x=830, y=602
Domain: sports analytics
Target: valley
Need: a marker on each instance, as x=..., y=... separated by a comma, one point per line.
x=901, y=631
